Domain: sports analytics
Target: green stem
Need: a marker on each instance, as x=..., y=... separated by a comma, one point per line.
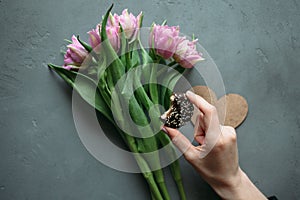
x=174, y=167
x=164, y=89
x=116, y=68
x=128, y=58
x=153, y=84
x=163, y=188
x=170, y=80
x=164, y=140
x=129, y=140
x=149, y=144
x=152, y=195
x=144, y=144
x=180, y=189
x=172, y=63
x=141, y=94
x=148, y=175
x=162, y=71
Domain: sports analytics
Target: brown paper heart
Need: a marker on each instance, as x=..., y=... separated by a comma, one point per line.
x=206, y=93
x=232, y=108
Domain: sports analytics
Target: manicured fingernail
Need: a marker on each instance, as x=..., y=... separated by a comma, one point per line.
x=164, y=130
x=190, y=94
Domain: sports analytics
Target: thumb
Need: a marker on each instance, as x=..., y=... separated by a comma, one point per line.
x=179, y=140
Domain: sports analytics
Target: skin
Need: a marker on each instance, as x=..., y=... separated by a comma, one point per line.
x=216, y=157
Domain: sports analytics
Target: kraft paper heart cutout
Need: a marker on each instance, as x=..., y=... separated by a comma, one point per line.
x=232, y=108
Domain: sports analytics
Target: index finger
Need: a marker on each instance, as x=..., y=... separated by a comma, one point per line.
x=199, y=102
x=181, y=142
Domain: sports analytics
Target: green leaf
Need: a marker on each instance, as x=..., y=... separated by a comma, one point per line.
x=134, y=51
x=164, y=23
x=141, y=21
x=116, y=69
x=123, y=45
x=69, y=41
x=85, y=45
x=170, y=81
x=145, y=57
x=153, y=84
x=86, y=88
x=104, y=22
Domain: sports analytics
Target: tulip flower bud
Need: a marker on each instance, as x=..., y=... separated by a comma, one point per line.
x=94, y=39
x=113, y=20
x=75, y=54
x=113, y=36
x=186, y=54
x=130, y=24
x=165, y=40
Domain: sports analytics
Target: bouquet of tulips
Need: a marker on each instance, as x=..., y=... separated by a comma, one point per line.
x=131, y=84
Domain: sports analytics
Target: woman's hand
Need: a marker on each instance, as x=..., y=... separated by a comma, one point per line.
x=216, y=157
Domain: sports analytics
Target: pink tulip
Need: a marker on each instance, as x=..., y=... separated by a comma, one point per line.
x=94, y=39
x=164, y=39
x=113, y=36
x=113, y=20
x=186, y=54
x=75, y=54
x=130, y=24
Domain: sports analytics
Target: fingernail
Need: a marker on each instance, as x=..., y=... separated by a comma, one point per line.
x=164, y=130
x=190, y=93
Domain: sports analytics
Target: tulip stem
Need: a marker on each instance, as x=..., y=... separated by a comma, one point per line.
x=148, y=175
x=165, y=87
x=147, y=145
x=152, y=195
x=145, y=169
x=150, y=143
x=172, y=63
x=153, y=84
x=162, y=71
x=174, y=167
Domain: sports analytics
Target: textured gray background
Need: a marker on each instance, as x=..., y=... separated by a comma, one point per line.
x=256, y=45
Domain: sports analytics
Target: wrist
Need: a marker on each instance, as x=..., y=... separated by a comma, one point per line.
x=230, y=189
x=239, y=187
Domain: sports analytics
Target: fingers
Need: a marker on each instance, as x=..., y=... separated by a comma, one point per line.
x=207, y=127
x=199, y=131
x=228, y=132
x=205, y=107
x=179, y=140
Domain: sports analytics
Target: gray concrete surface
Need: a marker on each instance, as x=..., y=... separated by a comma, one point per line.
x=256, y=45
